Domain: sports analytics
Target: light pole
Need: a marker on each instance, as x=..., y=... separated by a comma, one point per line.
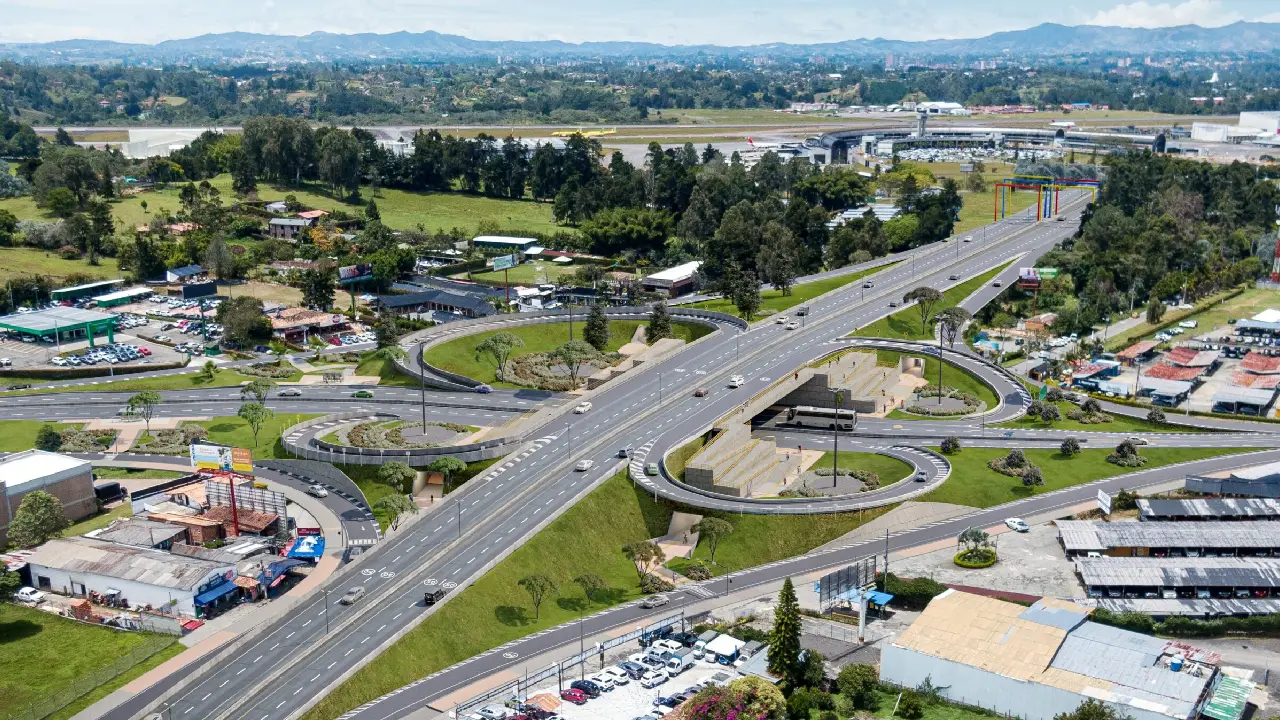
x=326, y=610
x=422, y=376
x=835, y=455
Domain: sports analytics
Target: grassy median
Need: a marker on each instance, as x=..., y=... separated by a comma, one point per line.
x=905, y=323
x=773, y=301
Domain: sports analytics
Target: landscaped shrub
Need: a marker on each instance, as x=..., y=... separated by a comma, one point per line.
x=654, y=584
x=173, y=442
x=909, y=593
x=697, y=571
x=804, y=491
x=1089, y=418
x=86, y=441
x=269, y=370
x=950, y=445
x=976, y=559
x=1014, y=464
x=1126, y=455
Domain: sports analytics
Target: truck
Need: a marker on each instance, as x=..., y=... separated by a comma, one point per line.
x=701, y=644
x=680, y=661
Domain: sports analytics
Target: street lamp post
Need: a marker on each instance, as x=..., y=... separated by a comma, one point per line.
x=835, y=455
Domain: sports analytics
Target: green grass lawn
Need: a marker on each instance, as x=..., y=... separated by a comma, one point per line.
x=45, y=654
x=385, y=370
x=115, y=473
x=184, y=381
x=773, y=301
x=975, y=210
x=529, y=273
x=366, y=478
x=459, y=355
x=952, y=376
x=973, y=483
x=1211, y=313
x=120, y=681
x=17, y=435
x=496, y=610
x=101, y=520
x=400, y=209
x=237, y=433
x=887, y=700
x=17, y=261
x=890, y=469
x=905, y=323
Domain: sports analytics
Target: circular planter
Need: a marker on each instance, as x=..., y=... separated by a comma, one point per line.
x=975, y=565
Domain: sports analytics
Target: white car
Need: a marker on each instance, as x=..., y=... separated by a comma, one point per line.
x=780, y=320
x=1187, y=324
x=582, y=408
x=1139, y=440
x=617, y=675
x=584, y=465
x=317, y=491
x=793, y=325
x=604, y=680
x=289, y=392
x=1017, y=525
x=654, y=601
x=29, y=595
x=352, y=595
x=736, y=381
x=653, y=678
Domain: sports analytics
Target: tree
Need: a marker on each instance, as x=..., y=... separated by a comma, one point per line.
x=950, y=322
x=950, y=444
x=209, y=370
x=61, y=202
x=449, y=467
x=1091, y=406
x=243, y=320
x=645, y=555
x=1093, y=710
x=659, y=323
x=591, y=584
x=499, y=347
x=62, y=137
x=386, y=329
x=339, y=164
x=371, y=211
x=395, y=505
x=712, y=529
x=144, y=405
x=1155, y=416
x=910, y=706
x=1155, y=311
x=596, y=333
x=974, y=539
x=538, y=586
x=48, y=438
x=256, y=415
x=746, y=296
x=812, y=672
x=925, y=299
x=9, y=582
x=218, y=258
x=1050, y=413
x=1070, y=447
x=778, y=257
x=1032, y=476
x=397, y=475
x=317, y=286
x=259, y=389
x=858, y=684
x=38, y=518
x=572, y=354
x=784, y=639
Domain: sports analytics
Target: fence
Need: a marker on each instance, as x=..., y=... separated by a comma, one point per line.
x=89, y=681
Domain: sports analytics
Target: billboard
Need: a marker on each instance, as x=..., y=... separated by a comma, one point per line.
x=220, y=457
x=355, y=273
x=218, y=492
x=837, y=585
x=504, y=262
x=966, y=167
x=199, y=290
x=1104, y=502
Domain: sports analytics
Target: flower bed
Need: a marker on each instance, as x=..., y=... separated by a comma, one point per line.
x=269, y=370
x=173, y=442
x=535, y=370
x=86, y=441
x=1015, y=464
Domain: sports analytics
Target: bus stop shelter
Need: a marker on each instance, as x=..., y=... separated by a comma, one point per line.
x=63, y=323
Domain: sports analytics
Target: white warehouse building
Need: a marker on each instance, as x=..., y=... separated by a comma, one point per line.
x=1037, y=662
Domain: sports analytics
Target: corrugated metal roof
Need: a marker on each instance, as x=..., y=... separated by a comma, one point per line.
x=143, y=565
x=1229, y=699
x=1190, y=606
x=1076, y=535
x=1179, y=572
x=140, y=532
x=1210, y=507
x=1063, y=618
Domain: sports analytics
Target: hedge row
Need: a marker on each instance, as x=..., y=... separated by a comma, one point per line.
x=1254, y=625
x=73, y=373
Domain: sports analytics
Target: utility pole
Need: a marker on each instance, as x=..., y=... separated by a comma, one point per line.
x=835, y=456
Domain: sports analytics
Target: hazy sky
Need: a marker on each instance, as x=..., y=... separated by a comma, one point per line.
x=722, y=22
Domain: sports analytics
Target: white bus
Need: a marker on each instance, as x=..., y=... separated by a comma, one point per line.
x=805, y=416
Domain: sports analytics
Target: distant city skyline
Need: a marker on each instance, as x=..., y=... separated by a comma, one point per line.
x=688, y=22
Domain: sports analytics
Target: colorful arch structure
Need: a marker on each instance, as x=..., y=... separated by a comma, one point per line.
x=1047, y=190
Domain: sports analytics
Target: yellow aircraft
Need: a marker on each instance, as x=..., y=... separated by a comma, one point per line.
x=584, y=133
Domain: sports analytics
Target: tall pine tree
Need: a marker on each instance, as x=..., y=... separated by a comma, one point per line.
x=659, y=324
x=784, y=640
x=597, y=330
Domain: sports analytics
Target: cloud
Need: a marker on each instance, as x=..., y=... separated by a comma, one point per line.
x=1206, y=13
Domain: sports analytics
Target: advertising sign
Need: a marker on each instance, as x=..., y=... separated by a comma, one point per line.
x=1104, y=502
x=199, y=290
x=504, y=262
x=221, y=457
x=355, y=273
x=966, y=167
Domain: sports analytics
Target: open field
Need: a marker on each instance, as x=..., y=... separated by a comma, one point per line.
x=496, y=610
x=773, y=301
x=952, y=376
x=905, y=323
x=400, y=209
x=529, y=273
x=1211, y=312
x=976, y=210
x=45, y=654
x=235, y=432
x=278, y=293
x=16, y=262
x=459, y=356
x=973, y=483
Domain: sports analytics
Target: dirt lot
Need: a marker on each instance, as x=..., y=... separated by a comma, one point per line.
x=1030, y=562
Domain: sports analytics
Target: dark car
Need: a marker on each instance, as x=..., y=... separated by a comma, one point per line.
x=431, y=597
x=573, y=695
x=633, y=670
x=587, y=687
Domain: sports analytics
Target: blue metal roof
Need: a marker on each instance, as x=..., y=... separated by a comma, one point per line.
x=209, y=596
x=311, y=546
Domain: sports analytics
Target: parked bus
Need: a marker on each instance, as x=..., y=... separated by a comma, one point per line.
x=805, y=416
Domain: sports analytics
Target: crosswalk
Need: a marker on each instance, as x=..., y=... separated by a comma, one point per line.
x=698, y=590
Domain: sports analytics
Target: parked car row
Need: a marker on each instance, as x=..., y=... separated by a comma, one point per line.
x=110, y=354
x=129, y=320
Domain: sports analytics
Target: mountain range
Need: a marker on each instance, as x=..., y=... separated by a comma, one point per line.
x=1047, y=39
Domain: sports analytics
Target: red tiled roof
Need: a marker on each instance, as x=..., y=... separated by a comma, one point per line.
x=1190, y=357
x=1260, y=364
x=1140, y=348
x=250, y=520
x=1171, y=372
x=1258, y=382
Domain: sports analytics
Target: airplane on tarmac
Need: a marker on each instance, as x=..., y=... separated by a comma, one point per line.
x=775, y=145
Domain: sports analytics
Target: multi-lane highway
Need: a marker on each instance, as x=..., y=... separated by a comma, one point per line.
x=286, y=665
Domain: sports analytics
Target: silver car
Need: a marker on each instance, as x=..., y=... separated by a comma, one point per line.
x=352, y=595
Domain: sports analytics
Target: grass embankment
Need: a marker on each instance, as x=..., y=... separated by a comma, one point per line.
x=366, y=478
x=400, y=209
x=459, y=356
x=16, y=261
x=973, y=483
x=890, y=469
x=905, y=324
x=233, y=431
x=952, y=376
x=773, y=301
x=976, y=209
x=496, y=610
x=385, y=370
x=1211, y=313
x=182, y=381
x=45, y=655
x=18, y=435
x=1119, y=423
